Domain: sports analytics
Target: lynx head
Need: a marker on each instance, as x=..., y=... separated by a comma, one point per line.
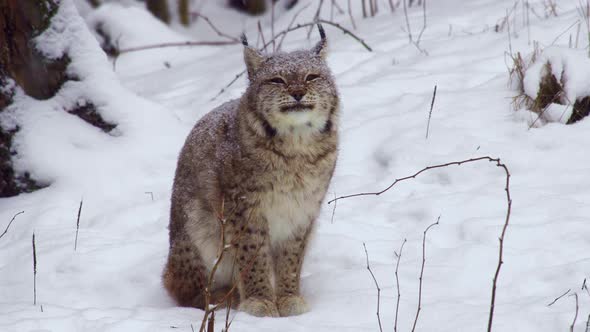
x=293, y=92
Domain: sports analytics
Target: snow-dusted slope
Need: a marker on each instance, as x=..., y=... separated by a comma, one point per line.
x=112, y=281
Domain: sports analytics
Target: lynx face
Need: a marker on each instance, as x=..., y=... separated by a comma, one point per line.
x=294, y=92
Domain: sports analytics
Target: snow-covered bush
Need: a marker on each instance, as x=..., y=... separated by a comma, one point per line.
x=553, y=83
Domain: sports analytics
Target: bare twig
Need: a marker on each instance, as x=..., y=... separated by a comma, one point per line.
x=422, y=273
x=333, y=211
x=498, y=163
x=350, y=15
x=176, y=44
x=316, y=17
x=430, y=113
x=399, y=257
x=272, y=25
x=377, y=286
x=261, y=34
x=214, y=28
x=576, y=315
x=559, y=297
x=281, y=34
x=78, y=225
x=9, y=223
x=410, y=38
x=311, y=24
x=34, y=272
x=291, y=24
x=229, y=84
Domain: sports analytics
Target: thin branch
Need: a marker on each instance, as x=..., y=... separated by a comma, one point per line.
x=350, y=15
x=559, y=297
x=272, y=25
x=498, y=163
x=311, y=24
x=214, y=28
x=78, y=224
x=399, y=257
x=376, y=285
x=333, y=211
x=176, y=44
x=422, y=273
x=261, y=34
x=430, y=113
x=316, y=17
x=407, y=22
x=10, y=223
x=576, y=315
x=291, y=24
x=229, y=84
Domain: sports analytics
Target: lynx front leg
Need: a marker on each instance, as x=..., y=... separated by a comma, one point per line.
x=254, y=263
x=288, y=259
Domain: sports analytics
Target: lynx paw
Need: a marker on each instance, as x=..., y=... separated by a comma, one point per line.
x=259, y=307
x=292, y=305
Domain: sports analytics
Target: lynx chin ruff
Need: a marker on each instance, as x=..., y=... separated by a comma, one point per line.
x=263, y=162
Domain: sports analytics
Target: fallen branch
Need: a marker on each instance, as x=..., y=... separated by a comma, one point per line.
x=377, y=286
x=10, y=223
x=422, y=273
x=504, y=228
x=399, y=256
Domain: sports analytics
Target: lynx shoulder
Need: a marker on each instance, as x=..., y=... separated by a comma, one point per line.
x=256, y=168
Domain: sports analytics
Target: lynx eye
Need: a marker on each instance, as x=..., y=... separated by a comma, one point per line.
x=277, y=80
x=311, y=77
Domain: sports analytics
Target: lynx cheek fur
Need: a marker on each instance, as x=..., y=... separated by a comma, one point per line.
x=264, y=163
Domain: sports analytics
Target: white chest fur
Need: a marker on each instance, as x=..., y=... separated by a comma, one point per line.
x=288, y=212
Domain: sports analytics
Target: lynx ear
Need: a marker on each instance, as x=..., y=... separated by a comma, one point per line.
x=252, y=57
x=321, y=48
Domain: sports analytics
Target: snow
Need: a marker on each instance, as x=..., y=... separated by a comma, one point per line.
x=112, y=281
x=571, y=67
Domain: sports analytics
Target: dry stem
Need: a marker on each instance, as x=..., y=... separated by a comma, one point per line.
x=422, y=273
x=430, y=113
x=34, y=272
x=504, y=228
x=11, y=220
x=377, y=286
x=78, y=225
x=399, y=257
x=576, y=315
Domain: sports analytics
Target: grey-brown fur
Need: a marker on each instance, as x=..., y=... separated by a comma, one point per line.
x=264, y=163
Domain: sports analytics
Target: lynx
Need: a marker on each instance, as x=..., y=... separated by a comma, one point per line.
x=256, y=168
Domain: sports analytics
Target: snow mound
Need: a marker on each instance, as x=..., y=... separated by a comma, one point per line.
x=554, y=84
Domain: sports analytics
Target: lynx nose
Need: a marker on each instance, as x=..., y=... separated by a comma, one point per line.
x=298, y=95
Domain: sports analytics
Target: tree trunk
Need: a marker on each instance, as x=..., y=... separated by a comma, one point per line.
x=20, y=22
x=20, y=63
x=184, y=12
x=159, y=8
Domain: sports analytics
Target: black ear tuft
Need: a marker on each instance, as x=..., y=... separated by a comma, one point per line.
x=243, y=39
x=322, y=32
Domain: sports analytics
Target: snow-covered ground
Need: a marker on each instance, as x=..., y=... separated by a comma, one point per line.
x=112, y=281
